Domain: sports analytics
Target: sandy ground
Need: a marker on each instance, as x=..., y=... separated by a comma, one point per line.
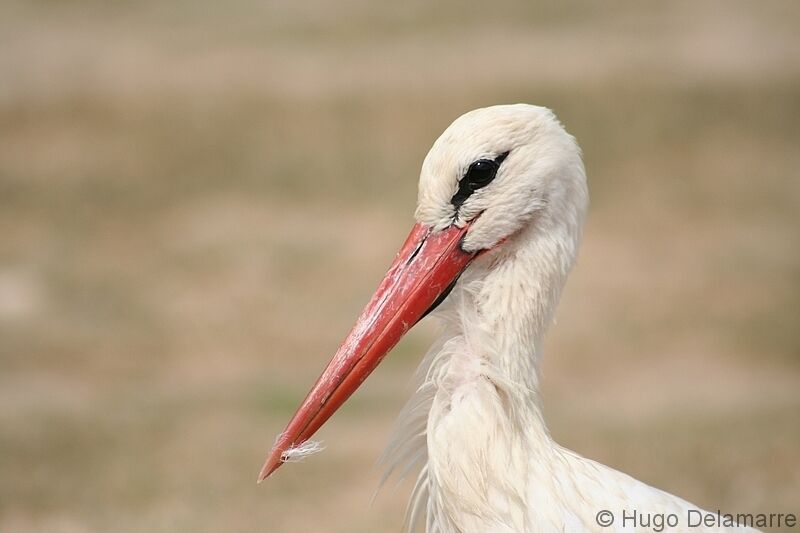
x=196, y=199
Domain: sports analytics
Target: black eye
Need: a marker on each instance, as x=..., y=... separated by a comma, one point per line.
x=478, y=175
x=481, y=173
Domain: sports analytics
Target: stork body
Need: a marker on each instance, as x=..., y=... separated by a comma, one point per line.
x=501, y=206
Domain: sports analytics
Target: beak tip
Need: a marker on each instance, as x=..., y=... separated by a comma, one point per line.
x=272, y=463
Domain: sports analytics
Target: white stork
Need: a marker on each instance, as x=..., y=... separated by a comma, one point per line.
x=502, y=199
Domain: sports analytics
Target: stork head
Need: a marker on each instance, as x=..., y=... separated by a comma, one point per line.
x=492, y=173
x=497, y=168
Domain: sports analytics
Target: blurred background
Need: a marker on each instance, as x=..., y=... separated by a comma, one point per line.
x=197, y=198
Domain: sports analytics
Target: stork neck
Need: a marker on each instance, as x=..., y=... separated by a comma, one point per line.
x=487, y=400
x=517, y=298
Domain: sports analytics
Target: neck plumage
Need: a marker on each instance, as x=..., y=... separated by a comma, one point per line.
x=476, y=415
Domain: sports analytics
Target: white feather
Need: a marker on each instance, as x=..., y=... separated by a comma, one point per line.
x=296, y=454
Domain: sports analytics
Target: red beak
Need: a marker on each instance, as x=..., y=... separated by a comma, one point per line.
x=425, y=267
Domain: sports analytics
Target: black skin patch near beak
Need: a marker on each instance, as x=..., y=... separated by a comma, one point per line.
x=478, y=175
